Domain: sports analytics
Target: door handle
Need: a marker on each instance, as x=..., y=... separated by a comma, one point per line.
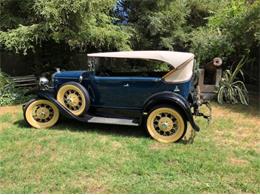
x=126, y=85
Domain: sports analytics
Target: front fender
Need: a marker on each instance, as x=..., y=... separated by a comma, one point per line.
x=168, y=97
x=50, y=95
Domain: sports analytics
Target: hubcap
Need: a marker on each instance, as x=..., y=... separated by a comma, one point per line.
x=72, y=100
x=43, y=113
x=165, y=124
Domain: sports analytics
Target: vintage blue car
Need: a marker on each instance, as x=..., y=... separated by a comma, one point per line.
x=154, y=88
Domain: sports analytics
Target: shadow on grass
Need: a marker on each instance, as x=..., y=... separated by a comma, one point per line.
x=103, y=129
x=106, y=129
x=252, y=110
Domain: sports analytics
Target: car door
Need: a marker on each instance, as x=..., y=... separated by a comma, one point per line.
x=112, y=92
x=142, y=88
x=125, y=84
x=125, y=92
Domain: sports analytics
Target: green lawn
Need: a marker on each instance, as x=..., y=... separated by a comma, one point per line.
x=75, y=157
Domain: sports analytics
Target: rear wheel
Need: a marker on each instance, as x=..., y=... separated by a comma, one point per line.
x=41, y=114
x=166, y=124
x=73, y=97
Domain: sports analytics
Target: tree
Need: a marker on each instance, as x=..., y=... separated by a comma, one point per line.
x=155, y=24
x=164, y=24
x=78, y=24
x=231, y=32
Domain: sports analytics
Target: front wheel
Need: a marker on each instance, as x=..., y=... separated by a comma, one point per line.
x=41, y=113
x=166, y=124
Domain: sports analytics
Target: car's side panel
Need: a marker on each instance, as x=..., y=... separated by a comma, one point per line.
x=131, y=92
x=141, y=89
x=127, y=101
x=119, y=112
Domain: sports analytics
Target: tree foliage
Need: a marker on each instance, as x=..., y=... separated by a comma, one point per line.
x=80, y=24
x=164, y=24
x=156, y=24
x=209, y=28
x=231, y=32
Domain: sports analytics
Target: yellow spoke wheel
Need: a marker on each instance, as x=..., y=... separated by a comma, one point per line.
x=41, y=114
x=166, y=125
x=72, y=98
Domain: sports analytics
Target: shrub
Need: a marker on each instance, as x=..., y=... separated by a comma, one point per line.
x=4, y=80
x=9, y=95
x=208, y=43
x=231, y=32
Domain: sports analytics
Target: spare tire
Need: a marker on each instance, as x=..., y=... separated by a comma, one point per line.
x=74, y=97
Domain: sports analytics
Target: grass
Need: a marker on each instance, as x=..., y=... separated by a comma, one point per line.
x=75, y=157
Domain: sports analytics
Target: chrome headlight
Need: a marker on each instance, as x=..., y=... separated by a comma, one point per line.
x=43, y=82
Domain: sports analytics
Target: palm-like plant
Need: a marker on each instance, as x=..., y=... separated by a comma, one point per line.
x=231, y=90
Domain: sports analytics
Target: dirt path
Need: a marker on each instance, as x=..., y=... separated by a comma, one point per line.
x=10, y=109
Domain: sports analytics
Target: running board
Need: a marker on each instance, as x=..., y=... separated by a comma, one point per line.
x=114, y=121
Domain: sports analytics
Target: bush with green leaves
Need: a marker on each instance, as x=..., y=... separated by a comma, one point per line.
x=4, y=80
x=231, y=32
x=9, y=94
x=231, y=89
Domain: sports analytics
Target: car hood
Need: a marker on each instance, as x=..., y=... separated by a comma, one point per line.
x=69, y=74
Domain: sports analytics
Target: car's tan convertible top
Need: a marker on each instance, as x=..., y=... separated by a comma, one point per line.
x=182, y=62
x=173, y=58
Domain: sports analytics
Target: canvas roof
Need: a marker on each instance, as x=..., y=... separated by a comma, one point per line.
x=173, y=58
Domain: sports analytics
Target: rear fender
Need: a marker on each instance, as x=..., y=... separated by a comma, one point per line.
x=171, y=98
